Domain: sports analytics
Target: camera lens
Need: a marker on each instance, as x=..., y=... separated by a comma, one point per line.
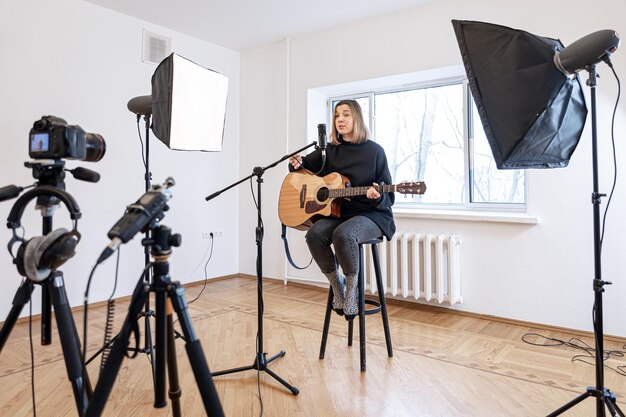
x=95, y=147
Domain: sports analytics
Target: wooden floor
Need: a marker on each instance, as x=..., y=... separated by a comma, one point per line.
x=444, y=364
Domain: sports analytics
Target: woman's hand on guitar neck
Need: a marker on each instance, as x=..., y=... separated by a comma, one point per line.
x=372, y=192
x=296, y=161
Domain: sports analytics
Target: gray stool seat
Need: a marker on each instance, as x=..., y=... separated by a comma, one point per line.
x=378, y=306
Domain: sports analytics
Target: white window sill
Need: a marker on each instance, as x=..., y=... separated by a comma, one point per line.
x=473, y=216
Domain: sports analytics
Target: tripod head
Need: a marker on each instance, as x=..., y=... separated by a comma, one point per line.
x=48, y=173
x=161, y=242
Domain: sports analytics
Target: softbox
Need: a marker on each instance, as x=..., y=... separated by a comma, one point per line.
x=532, y=113
x=188, y=105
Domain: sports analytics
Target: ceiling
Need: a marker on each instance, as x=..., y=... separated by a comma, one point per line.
x=241, y=24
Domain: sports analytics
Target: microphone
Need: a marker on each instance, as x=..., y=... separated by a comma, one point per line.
x=321, y=136
x=589, y=50
x=85, y=174
x=141, y=105
x=148, y=209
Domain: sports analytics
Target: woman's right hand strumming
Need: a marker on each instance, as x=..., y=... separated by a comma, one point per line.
x=296, y=161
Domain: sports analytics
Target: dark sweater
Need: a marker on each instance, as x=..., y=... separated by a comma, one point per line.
x=363, y=164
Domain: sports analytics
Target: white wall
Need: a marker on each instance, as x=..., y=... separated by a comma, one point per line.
x=82, y=62
x=265, y=103
x=540, y=273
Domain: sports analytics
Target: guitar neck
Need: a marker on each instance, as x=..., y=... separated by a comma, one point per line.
x=354, y=191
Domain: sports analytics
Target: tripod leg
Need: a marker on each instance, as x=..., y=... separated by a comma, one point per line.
x=172, y=368
x=294, y=390
x=21, y=298
x=611, y=404
x=195, y=353
x=570, y=404
x=113, y=363
x=69, y=340
x=46, y=317
x=160, y=347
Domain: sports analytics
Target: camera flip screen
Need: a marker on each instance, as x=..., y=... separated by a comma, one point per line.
x=39, y=142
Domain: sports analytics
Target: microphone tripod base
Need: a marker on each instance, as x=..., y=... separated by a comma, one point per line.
x=260, y=364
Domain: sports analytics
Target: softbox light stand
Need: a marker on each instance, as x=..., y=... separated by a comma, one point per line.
x=604, y=397
x=141, y=106
x=261, y=361
x=533, y=111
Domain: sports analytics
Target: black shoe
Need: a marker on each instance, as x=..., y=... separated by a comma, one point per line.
x=338, y=311
x=350, y=317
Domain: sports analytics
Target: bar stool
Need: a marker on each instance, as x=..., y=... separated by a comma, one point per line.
x=378, y=306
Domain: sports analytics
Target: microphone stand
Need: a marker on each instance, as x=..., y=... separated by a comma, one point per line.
x=261, y=361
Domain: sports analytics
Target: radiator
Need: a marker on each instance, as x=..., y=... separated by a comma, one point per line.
x=418, y=266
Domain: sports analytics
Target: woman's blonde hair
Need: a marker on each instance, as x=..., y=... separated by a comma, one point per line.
x=359, y=133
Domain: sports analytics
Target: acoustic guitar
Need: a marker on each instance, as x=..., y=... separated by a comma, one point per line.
x=304, y=197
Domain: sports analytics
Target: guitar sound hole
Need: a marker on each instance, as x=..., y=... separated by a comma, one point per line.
x=322, y=194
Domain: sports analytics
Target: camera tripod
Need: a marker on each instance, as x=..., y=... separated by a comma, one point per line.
x=168, y=294
x=54, y=294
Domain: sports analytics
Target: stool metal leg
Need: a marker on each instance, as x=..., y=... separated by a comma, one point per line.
x=329, y=305
x=362, y=309
x=350, y=332
x=381, y=307
x=381, y=298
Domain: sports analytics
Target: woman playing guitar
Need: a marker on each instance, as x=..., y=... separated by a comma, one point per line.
x=361, y=218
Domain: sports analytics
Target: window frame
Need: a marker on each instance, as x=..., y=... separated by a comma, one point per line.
x=468, y=145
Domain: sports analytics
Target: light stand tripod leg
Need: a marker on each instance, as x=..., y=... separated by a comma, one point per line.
x=195, y=353
x=149, y=345
x=572, y=403
x=611, y=404
x=19, y=300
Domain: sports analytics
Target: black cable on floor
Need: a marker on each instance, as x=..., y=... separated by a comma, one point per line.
x=589, y=355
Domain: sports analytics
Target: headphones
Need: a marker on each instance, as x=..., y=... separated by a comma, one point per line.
x=37, y=257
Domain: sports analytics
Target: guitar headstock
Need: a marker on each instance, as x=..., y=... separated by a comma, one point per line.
x=411, y=187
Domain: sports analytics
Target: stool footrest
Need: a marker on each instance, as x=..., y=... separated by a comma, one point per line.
x=374, y=310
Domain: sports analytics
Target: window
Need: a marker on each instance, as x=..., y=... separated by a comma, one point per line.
x=432, y=133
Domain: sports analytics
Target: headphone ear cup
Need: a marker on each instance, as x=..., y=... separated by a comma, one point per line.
x=31, y=269
x=59, y=247
x=19, y=258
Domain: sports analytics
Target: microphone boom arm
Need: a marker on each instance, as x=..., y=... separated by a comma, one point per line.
x=258, y=171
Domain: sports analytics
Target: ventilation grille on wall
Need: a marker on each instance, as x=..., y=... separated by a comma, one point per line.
x=155, y=47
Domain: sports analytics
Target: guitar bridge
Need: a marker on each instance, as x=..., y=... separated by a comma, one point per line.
x=302, y=195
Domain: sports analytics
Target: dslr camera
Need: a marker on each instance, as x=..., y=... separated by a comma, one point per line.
x=52, y=138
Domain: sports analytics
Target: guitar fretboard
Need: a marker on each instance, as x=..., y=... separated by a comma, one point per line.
x=354, y=191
